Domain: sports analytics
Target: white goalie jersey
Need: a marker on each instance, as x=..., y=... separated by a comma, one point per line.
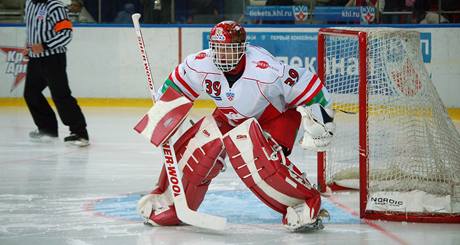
x=266, y=83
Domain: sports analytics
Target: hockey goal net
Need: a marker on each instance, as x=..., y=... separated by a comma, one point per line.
x=394, y=139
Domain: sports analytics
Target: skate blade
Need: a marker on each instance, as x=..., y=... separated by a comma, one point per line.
x=318, y=225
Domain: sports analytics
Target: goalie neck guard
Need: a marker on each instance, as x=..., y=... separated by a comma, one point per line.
x=228, y=45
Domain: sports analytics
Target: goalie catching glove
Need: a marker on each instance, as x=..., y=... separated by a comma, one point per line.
x=318, y=125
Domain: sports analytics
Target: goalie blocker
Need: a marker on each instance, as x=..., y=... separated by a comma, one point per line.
x=165, y=117
x=256, y=157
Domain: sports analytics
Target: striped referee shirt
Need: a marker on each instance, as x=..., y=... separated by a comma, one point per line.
x=47, y=23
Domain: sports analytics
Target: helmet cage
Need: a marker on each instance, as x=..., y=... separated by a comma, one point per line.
x=226, y=56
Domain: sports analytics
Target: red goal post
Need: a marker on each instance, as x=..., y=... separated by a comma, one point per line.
x=394, y=140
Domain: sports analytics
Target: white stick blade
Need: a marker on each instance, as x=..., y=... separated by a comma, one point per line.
x=197, y=219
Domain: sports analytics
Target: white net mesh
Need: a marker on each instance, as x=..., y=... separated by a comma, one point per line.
x=413, y=144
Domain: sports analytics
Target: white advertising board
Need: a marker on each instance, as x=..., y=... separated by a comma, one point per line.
x=104, y=62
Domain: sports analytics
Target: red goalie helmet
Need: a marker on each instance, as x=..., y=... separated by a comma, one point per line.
x=228, y=44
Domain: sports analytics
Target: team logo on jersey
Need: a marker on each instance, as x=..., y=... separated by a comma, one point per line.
x=16, y=65
x=200, y=56
x=233, y=116
x=41, y=14
x=230, y=95
x=262, y=64
x=218, y=35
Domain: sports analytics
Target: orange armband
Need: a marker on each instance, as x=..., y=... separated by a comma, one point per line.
x=62, y=25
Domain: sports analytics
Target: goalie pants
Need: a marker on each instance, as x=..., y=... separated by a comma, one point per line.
x=282, y=127
x=50, y=71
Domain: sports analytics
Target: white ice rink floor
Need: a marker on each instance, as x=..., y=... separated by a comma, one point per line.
x=53, y=194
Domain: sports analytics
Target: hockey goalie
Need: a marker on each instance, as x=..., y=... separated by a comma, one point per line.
x=261, y=105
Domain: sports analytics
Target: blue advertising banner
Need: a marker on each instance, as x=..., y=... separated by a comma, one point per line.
x=300, y=48
x=296, y=12
x=345, y=14
x=294, y=48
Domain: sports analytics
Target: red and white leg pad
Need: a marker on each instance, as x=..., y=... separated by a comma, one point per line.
x=260, y=162
x=200, y=155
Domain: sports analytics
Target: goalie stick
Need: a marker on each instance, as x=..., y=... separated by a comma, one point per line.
x=184, y=213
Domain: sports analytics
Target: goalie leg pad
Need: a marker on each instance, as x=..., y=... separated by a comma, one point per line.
x=260, y=162
x=200, y=155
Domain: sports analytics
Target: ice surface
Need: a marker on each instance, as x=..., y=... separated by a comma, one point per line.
x=53, y=194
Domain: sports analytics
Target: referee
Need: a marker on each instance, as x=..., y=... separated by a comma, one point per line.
x=49, y=30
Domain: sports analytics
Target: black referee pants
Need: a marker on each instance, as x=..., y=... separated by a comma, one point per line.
x=51, y=72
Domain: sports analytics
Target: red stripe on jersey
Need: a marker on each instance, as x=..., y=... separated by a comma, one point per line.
x=312, y=95
x=310, y=85
x=172, y=80
x=186, y=86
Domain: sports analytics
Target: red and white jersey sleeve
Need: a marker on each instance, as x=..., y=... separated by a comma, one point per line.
x=299, y=86
x=187, y=77
x=285, y=86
